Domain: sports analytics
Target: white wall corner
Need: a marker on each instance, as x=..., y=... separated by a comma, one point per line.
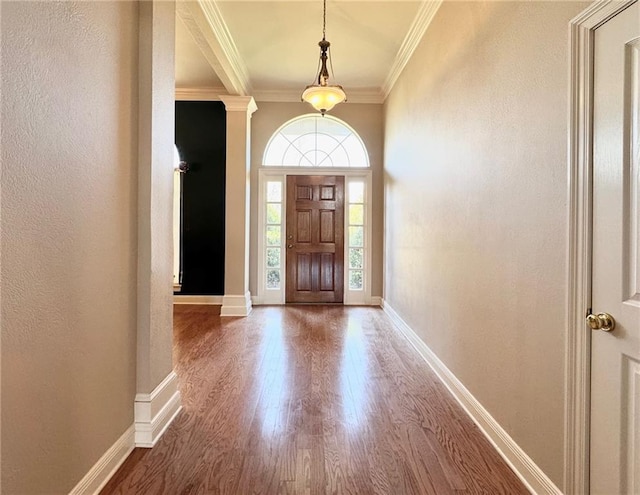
x=236, y=305
x=536, y=481
x=107, y=465
x=154, y=412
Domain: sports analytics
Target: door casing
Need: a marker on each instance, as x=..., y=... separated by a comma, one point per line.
x=265, y=174
x=578, y=342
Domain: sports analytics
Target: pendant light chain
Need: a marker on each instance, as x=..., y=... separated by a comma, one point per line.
x=324, y=21
x=324, y=34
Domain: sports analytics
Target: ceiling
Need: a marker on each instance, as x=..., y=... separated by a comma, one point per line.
x=269, y=49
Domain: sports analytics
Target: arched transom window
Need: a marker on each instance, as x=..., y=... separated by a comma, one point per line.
x=315, y=141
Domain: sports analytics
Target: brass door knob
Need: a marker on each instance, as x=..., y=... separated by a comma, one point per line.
x=601, y=321
x=289, y=246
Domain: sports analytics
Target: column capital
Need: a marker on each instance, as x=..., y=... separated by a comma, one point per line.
x=235, y=103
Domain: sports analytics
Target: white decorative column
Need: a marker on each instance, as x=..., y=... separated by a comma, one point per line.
x=237, y=299
x=157, y=399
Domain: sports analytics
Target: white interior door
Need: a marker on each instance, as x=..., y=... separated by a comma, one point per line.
x=615, y=358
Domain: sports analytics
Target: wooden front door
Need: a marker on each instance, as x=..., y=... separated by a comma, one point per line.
x=315, y=239
x=615, y=355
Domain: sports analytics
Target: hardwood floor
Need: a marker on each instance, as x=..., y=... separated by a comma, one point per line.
x=310, y=400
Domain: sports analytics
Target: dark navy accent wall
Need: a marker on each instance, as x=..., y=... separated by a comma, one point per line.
x=201, y=141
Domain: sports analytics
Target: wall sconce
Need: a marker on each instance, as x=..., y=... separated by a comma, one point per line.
x=178, y=164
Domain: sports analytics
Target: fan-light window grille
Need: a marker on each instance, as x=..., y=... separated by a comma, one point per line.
x=316, y=141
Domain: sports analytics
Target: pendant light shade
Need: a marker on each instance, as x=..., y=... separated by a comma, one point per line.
x=323, y=98
x=321, y=95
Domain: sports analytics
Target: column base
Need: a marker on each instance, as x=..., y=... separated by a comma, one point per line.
x=236, y=305
x=154, y=412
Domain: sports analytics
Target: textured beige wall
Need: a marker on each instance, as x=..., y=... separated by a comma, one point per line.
x=476, y=217
x=156, y=123
x=68, y=238
x=367, y=120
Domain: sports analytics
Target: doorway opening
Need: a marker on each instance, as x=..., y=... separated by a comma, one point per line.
x=314, y=238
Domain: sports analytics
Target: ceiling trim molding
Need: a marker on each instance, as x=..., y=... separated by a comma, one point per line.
x=291, y=96
x=425, y=15
x=227, y=45
x=200, y=94
x=206, y=25
x=278, y=95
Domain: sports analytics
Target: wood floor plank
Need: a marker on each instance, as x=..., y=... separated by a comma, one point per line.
x=310, y=400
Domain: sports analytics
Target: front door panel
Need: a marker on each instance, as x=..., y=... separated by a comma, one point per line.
x=315, y=239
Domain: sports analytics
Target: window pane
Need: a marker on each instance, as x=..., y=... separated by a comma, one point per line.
x=355, y=280
x=274, y=192
x=274, y=213
x=276, y=150
x=355, y=258
x=332, y=128
x=330, y=152
x=356, y=214
x=356, y=192
x=355, y=150
x=273, y=257
x=273, y=235
x=273, y=279
x=292, y=157
x=356, y=236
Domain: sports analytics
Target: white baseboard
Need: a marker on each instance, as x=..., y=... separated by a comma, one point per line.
x=236, y=305
x=213, y=300
x=373, y=301
x=107, y=465
x=529, y=473
x=261, y=301
x=154, y=412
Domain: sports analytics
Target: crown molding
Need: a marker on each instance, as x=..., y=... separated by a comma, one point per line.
x=290, y=96
x=208, y=29
x=206, y=25
x=200, y=94
x=425, y=15
x=277, y=96
x=365, y=96
x=231, y=55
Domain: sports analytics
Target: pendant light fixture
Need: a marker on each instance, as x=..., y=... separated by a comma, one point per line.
x=321, y=95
